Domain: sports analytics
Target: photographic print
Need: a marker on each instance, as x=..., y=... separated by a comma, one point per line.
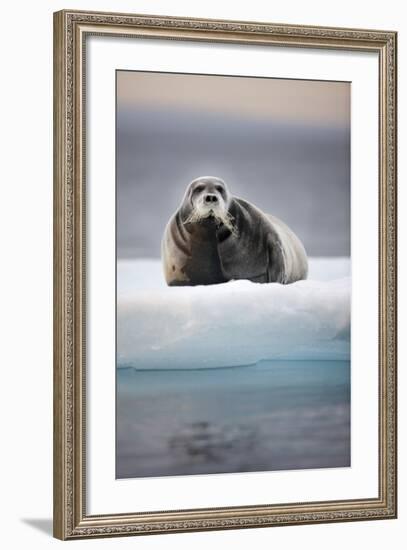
x=233, y=279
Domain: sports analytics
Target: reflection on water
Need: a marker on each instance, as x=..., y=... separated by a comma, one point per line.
x=202, y=442
x=272, y=416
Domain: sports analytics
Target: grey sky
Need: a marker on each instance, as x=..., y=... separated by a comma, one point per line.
x=282, y=144
x=295, y=101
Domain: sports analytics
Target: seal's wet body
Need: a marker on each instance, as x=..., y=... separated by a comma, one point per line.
x=215, y=237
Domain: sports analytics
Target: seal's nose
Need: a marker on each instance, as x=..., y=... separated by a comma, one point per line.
x=211, y=198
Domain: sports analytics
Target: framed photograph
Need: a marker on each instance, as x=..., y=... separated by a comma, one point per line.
x=225, y=274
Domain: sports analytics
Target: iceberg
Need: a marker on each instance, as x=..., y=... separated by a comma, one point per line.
x=231, y=324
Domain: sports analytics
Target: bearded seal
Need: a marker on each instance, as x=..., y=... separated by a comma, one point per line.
x=215, y=237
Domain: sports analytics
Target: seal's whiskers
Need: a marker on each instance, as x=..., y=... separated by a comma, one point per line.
x=227, y=221
x=222, y=216
x=194, y=217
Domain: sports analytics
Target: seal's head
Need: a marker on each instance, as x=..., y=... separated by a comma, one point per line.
x=207, y=200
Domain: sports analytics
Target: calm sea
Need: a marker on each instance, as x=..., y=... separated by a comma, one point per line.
x=275, y=415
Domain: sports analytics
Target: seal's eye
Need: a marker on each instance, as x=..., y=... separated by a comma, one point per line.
x=199, y=189
x=221, y=190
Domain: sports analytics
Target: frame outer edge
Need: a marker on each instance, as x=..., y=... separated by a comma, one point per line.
x=59, y=401
x=395, y=120
x=393, y=268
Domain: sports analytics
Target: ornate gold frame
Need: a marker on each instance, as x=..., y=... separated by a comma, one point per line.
x=70, y=518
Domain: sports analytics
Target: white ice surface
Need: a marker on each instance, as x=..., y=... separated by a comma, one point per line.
x=235, y=323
